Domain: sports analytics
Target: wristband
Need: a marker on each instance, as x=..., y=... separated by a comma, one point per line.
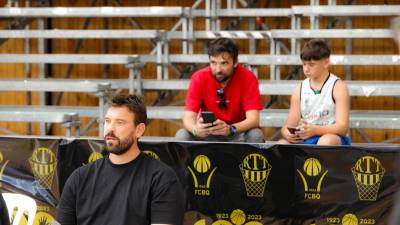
x=232, y=130
x=194, y=131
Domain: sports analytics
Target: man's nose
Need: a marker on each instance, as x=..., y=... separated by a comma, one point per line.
x=218, y=67
x=108, y=127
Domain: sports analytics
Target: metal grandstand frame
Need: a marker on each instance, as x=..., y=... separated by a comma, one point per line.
x=212, y=14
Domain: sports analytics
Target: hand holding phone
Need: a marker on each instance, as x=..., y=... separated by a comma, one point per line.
x=293, y=130
x=208, y=117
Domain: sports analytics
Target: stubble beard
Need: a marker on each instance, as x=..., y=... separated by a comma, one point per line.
x=121, y=147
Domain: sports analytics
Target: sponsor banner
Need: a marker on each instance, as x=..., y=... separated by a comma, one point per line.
x=228, y=183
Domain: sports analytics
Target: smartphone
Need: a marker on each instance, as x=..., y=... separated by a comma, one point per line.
x=292, y=130
x=208, y=117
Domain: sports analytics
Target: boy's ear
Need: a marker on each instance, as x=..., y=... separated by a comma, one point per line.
x=326, y=63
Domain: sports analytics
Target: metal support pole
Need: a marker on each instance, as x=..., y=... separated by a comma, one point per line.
x=77, y=129
x=295, y=24
x=165, y=55
x=101, y=97
x=229, y=4
x=331, y=2
x=159, y=59
x=135, y=81
x=217, y=19
x=184, y=35
x=42, y=72
x=349, y=50
x=138, y=72
x=131, y=68
x=208, y=15
x=252, y=41
x=191, y=34
x=28, y=71
x=106, y=45
x=272, y=66
x=277, y=68
x=314, y=20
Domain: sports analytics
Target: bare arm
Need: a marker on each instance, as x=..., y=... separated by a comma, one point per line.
x=293, y=116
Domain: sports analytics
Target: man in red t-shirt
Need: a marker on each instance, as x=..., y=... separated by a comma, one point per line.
x=228, y=90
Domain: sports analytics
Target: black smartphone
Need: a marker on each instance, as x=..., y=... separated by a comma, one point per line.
x=292, y=130
x=208, y=117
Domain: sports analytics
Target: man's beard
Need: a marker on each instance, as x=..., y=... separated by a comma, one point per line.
x=121, y=147
x=225, y=78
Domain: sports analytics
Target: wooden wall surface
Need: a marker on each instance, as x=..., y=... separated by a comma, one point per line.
x=124, y=46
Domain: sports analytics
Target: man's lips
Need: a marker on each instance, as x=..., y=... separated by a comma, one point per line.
x=111, y=138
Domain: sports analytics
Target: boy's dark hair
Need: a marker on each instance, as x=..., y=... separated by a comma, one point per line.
x=134, y=103
x=315, y=49
x=221, y=45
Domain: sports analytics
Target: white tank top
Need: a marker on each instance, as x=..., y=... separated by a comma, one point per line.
x=318, y=107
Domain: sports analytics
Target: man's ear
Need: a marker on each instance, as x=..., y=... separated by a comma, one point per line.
x=235, y=64
x=140, y=128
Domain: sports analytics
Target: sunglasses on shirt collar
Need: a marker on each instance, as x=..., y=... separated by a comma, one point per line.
x=222, y=100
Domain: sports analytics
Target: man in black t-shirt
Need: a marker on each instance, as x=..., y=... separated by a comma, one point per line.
x=127, y=186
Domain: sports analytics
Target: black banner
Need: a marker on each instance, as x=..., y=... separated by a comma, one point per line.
x=228, y=183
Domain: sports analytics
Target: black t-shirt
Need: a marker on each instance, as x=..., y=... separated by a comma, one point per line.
x=143, y=191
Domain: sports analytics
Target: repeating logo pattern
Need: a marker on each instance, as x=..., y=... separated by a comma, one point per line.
x=94, y=156
x=368, y=173
x=312, y=178
x=3, y=164
x=255, y=170
x=152, y=154
x=43, y=163
x=350, y=219
x=202, y=166
x=236, y=217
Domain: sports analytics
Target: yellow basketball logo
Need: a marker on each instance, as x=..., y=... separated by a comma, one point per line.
x=202, y=163
x=221, y=222
x=368, y=170
x=368, y=173
x=200, y=222
x=255, y=167
x=94, y=156
x=253, y=223
x=255, y=170
x=238, y=217
x=349, y=219
x=312, y=167
x=152, y=154
x=43, y=163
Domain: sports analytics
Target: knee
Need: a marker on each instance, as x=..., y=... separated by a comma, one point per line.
x=183, y=135
x=329, y=139
x=254, y=135
x=282, y=142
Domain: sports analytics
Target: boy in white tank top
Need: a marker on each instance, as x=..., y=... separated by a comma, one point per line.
x=319, y=106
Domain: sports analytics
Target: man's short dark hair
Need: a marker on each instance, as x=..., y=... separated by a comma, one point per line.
x=221, y=45
x=134, y=103
x=315, y=49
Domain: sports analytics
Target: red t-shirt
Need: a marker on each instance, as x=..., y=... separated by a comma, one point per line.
x=241, y=94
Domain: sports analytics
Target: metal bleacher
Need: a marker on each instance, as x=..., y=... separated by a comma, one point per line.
x=67, y=116
x=161, y=58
